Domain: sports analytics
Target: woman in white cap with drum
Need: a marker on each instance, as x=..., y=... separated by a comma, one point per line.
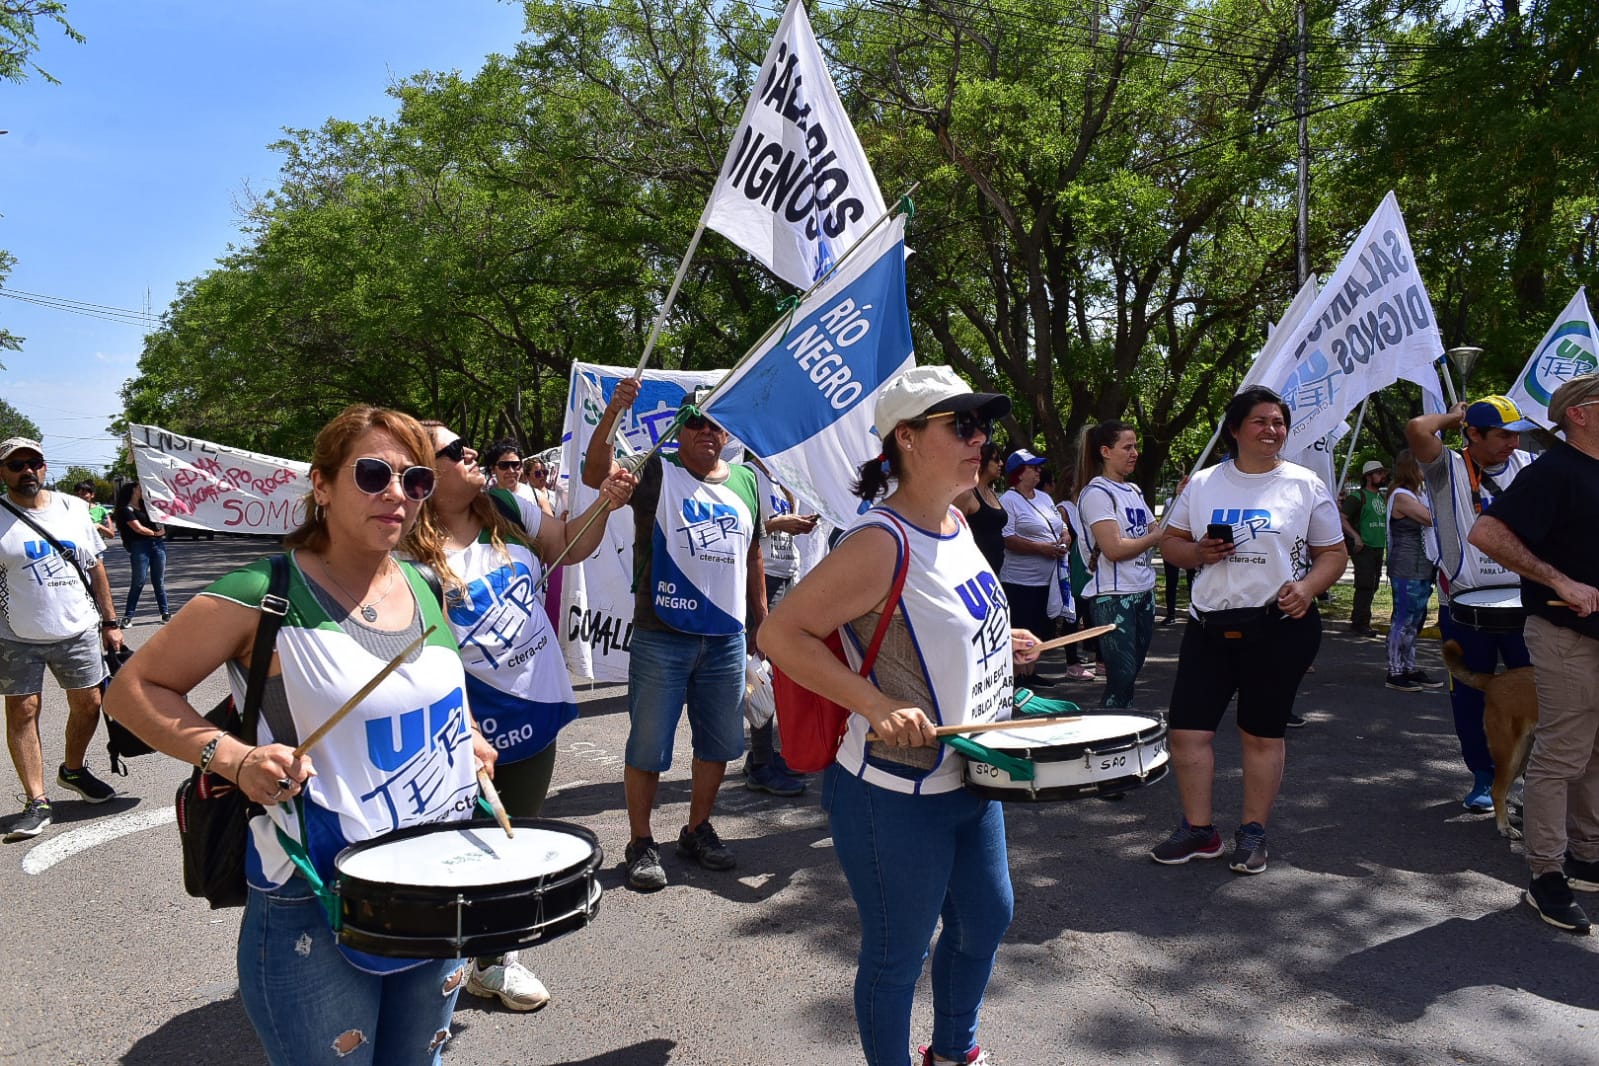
x=916, y=847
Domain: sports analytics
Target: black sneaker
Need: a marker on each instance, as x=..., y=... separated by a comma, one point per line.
x=703, y=846
x=1422, y=678
x=1551, y=897
x=1186, y=843
x=1294, y=721
x=85, y=784
x=644, y=870
x=35, y=819
x=1404, y=683
x=166, y=616
x=1249, y=849
x=1580, y=875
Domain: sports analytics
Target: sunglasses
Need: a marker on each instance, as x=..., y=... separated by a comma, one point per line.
x=698, y=422
x=17, y=466
x=373, y=476
x=968, y=424
x=540, y=473
x=508, y=464
x=454, y=451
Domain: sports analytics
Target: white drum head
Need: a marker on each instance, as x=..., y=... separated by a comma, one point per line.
x=1502, y=598
x=1092, y=729
x=462, y=857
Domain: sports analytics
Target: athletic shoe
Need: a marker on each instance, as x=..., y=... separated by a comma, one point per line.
x=1422, y=678
x=1294, y=721
x=1364, y=631
x=85, y=784
x=166, y=617
x=1249, y=849
x=975, y=1057
x=1168, y=621
x=1404, y=683
x=509, y=981
x=1078, y=672
x=771, y=778
x=644, y=870
x=1580, y=875
x=703, y=846
x=1480, y=799
x=126, y=623
x=1551, y=897
x=34, y=820
x=1186, y=843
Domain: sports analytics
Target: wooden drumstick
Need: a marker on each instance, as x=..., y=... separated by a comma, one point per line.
x=990, y=727
x=1072, y=638
x=486, y=783
x=1562, y=603
x=365, y=691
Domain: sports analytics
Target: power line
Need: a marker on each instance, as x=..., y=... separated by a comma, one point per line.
x=102, y=312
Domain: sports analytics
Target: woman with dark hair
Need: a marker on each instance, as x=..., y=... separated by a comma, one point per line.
x=915, y=845
x=1118, y=531
x=146, y=542
x=1035, y=542
x=1269, y=541
x=350, y=609
x=1410, y=573
x=489, y=565
x=984, y=515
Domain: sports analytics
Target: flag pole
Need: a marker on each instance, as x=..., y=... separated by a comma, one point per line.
x=1354, y=442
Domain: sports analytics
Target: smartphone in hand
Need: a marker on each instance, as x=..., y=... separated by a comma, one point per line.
x=1219, y=531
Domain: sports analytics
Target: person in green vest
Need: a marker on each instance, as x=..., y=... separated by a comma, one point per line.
x=1365, y=518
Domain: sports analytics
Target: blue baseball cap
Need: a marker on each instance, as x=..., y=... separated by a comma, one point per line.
x=1022, y=457
x=1498, y=412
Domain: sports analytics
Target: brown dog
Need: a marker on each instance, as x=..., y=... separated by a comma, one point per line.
x=1510, y=714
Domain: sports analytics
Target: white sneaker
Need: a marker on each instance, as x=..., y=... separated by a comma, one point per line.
x=512, y=982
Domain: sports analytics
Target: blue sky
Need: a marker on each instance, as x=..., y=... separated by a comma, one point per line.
x=122, y=181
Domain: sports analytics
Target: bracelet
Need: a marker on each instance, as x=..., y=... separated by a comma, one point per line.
x=209, y=752
x=107, y=624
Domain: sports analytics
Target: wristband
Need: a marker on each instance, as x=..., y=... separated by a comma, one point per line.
x=109, y=624
x=209, y=752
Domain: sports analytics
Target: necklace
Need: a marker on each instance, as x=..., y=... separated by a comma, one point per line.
x=369, y=611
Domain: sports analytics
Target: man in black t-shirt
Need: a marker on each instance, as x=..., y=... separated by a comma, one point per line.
x=1543, y=527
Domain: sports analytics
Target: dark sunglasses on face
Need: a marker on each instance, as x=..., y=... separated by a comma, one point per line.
x=540, y=473
x=508, y=464
x=373, y=476
x=17, y=466
x=698, y=422
x=453, y=451
x=968, y=424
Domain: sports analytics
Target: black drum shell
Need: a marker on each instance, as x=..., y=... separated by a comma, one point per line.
x=1484, y=619
x=438, y=922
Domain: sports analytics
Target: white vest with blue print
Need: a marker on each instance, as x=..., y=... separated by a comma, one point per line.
x=700, y=554
x=959, y=622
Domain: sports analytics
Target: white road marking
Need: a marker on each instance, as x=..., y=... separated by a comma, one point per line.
x=43, y=856
x=570, y=784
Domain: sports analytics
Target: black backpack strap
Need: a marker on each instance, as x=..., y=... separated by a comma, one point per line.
x=274, y=606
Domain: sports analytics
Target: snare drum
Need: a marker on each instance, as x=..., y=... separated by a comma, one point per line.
x=1490, y=610
x=1101, y=755
x=464, y=889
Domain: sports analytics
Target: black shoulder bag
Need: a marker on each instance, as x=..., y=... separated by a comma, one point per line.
x=213, y=813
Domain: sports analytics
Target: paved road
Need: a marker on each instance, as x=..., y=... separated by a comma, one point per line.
x=1388, y=929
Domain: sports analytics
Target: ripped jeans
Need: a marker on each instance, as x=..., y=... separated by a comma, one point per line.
x=310, y=1006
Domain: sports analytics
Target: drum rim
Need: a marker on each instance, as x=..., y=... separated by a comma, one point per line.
x=1108, y=745
x=1456, y=597
x=1019, y=792
x=551, y=824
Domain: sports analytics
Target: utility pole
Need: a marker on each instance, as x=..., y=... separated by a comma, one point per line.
x=1302, y=107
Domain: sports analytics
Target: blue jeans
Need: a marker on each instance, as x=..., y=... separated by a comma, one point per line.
x=1480, y=651
x=911, y=860
x=1410, y=610
x=308, y=1003
x=149, y=560
x=1123, y=649
x=667, y=669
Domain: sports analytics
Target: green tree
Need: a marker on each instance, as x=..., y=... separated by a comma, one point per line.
x=13, y=423
x=19, y=35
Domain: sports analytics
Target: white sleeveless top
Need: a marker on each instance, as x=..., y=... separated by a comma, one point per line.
x=959, y=623
x=1123, y=503
x=1448, y=480
x=699, y=559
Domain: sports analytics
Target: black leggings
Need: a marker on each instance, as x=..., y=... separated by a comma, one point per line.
x=1264, y=668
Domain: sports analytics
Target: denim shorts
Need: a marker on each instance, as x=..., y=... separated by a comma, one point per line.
x=667, y=669
x=77, y=662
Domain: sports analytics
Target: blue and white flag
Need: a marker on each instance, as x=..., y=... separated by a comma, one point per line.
x=803, y=399
x=1567, y=350
x=795, y=190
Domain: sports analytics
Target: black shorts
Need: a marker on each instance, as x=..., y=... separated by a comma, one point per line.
x=1263, y=668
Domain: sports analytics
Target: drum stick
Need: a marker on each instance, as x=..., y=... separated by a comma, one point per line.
x=1072, y=638
x=990, y=727
x=1561, y=603
x=490, y=794
x=366, y=690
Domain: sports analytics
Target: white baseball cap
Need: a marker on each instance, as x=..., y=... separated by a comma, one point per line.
x=19, y=444
x=929, y=390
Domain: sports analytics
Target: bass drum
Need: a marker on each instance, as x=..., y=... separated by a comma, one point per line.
x=1101, y=755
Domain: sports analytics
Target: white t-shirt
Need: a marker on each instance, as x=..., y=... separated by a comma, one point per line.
x=524, y=491
x=1448, y=482
x=1276, y=517
x=779, y=553
x=1123, y=503
x=1034, y=519
x=42, y=599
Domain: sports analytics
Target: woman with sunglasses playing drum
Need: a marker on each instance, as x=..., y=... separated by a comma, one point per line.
x=916, y=847
x=406, y=755
x=490, y=566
